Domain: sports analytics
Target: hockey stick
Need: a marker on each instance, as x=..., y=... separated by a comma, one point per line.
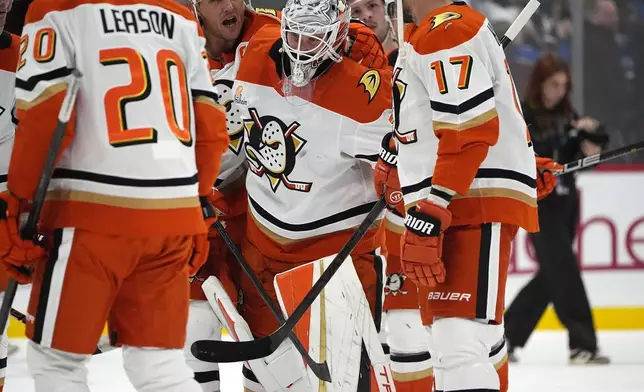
x=220, y=351
x=29, y=231
x=321, y=370
x=600, y=158
x=520, y=22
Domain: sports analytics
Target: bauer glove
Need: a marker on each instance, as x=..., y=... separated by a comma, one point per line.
x=17, y=254
x=422, y=243
x=546, y=176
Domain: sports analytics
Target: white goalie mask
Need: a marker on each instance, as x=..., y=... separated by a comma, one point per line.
x=313, y=31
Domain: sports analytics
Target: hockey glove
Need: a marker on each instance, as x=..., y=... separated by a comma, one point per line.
x=546, y=178
x=422, y=243
x=201, y=243
x=16, y=254
x=364, y=47
x=385, y=176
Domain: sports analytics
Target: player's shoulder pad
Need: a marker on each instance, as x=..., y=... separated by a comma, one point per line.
x=447, y=28
x=370, y=82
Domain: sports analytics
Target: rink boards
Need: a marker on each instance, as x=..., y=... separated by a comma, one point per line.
x=611, y=244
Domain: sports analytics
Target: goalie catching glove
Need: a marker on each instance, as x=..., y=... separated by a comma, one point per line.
x=422, y=243
x=364, y=47
x=546, y=176
x=17, y=254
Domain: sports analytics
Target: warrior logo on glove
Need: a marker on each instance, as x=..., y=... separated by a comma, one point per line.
x=271, y=150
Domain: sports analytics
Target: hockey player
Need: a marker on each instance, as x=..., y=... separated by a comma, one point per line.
x=373, y=14
x=123, y=208
x=310, y=152
x=229, y=25
x=468, y=175
x=9, y=45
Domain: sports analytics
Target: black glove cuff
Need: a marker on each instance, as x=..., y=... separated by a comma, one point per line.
x=207, y=209
x=421, y=224
x=387, y=154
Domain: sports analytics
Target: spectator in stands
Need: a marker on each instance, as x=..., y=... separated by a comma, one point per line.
x=372, y=13
x=559, y=133
x=608, y=67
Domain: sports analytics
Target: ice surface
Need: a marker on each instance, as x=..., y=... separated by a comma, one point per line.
x=543, y=367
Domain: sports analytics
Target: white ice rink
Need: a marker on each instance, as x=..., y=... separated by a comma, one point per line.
x=543, y=368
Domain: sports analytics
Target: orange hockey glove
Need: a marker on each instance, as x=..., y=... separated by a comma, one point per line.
x=364, y=47
x=385, y=176
x=201, y=244
x=422, y=243
x=546, y=178
x=17, y=254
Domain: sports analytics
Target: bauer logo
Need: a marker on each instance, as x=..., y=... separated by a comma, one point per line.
x=441, y=296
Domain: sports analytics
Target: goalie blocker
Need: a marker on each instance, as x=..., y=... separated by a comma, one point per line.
x=327, y=338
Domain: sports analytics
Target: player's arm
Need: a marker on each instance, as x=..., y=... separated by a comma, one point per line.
x=211, y=139
x=465, y=118
x=45, y=63
x=371, y=99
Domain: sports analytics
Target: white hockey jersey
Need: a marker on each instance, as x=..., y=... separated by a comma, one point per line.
x=146, y=136
x=233, y=162
x=311, y=163
x=8, y=63
x=460, y=126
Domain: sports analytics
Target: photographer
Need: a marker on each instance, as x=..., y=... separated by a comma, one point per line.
x=558, y=133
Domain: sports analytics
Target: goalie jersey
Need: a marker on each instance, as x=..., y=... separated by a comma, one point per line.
x=460, y=130
x=145, y=138
x=8, y=63
x=311, y=162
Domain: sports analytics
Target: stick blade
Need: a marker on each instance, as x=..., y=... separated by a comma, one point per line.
x=226, y=352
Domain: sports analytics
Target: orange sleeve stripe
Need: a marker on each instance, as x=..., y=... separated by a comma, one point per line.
x=9, y=56
x=460, y=155
x=36, y=127
x=211, y=142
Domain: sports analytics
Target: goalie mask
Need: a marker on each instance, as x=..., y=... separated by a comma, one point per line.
x=5, y=7
x=313, y=31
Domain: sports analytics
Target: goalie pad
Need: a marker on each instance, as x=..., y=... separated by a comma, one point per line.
x=335, y=326
x=284, y=370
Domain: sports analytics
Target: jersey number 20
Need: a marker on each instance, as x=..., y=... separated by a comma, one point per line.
x=139, y=89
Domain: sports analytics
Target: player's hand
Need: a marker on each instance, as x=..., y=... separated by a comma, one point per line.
x=16, y=254
x=546, y=176
x=385, y=177
x=421, y=245
x=209, y=212
x=199, y=253
x=364, y=47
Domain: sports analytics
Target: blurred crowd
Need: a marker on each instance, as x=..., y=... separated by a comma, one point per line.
x=613, y=64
